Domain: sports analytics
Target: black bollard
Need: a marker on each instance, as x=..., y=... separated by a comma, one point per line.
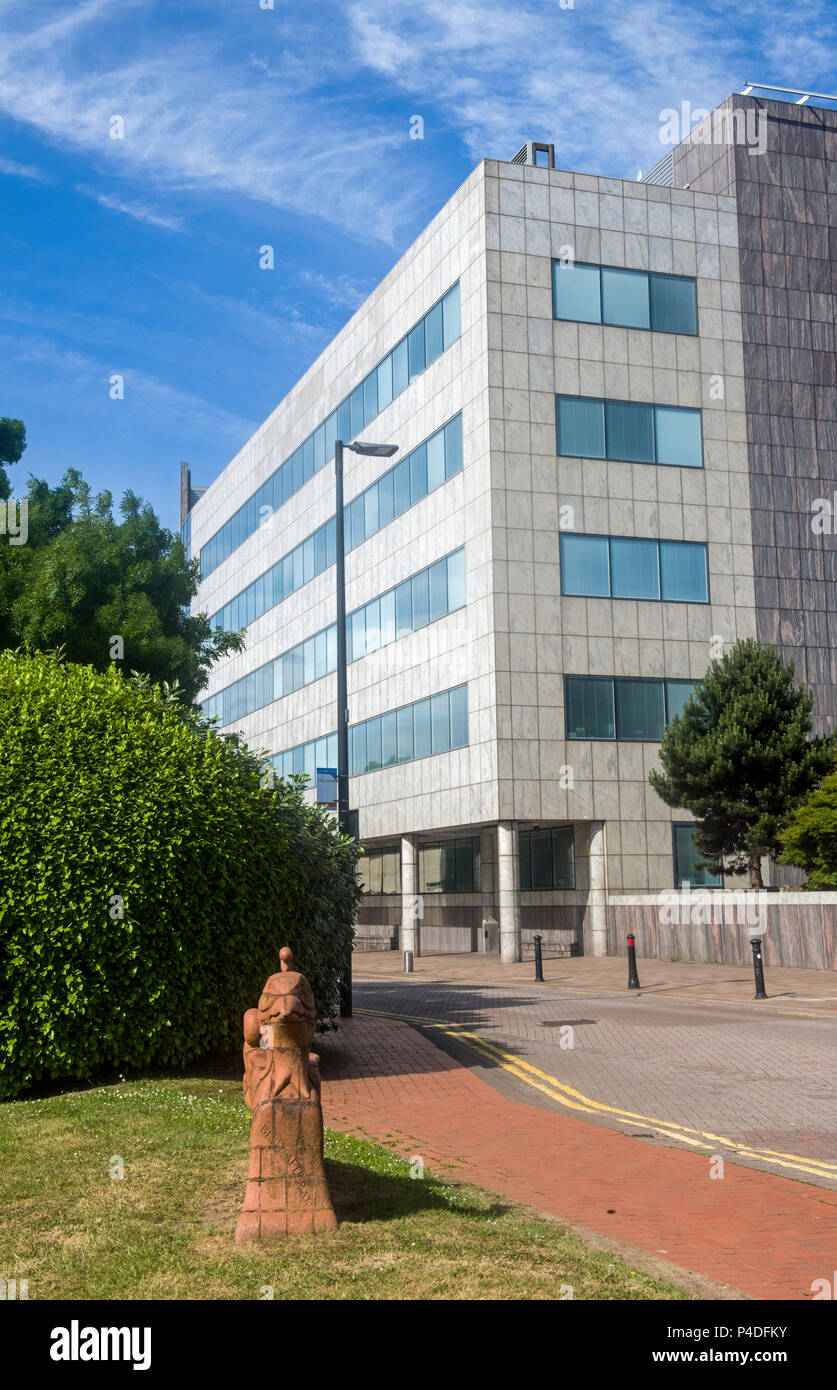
x=758, y=967
x=633, y=978
x=538, y=960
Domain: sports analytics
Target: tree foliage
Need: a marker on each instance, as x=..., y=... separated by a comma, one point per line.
x=85, y=577
x=809, y=839
x=150, y=878
x=12, y=445
x=739, y=756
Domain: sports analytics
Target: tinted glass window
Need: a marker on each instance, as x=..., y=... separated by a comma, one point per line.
x=634, y=568
x=640, y=710
x=434, y=341
x=683, y=570
x=575, y=290
x=630, y=431
x=673, y=304
x=625, y=298
x=450, y=315
x=679, y=437
x=687, y=859
x=581, y=427
x=584, y=565
x=677, y=693
x=589, y=710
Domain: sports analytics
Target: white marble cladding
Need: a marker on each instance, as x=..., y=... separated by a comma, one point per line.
x=532, y=216
x=448, y=789
x=517, y=637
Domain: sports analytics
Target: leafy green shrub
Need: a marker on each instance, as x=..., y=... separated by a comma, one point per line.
x=809, y=839
x=149, y=879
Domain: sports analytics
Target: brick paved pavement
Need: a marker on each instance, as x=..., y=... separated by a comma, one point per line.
x=764, y=1235
x=739, y=1078
x=789, y=989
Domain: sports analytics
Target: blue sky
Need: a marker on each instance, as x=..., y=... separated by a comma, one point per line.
x=290, y=126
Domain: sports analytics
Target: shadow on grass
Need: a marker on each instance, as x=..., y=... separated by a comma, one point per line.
x=362, y=1194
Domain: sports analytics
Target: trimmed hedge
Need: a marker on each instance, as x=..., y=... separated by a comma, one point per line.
x=149, y=879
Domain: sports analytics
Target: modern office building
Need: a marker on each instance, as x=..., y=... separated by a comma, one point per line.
x=614, y=405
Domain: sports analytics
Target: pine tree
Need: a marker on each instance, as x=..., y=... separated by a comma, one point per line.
x=739, y=756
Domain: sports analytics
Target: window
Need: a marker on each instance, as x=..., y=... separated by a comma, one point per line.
x=630, y=567
x=688, y=862
x=629, y=431
x=547, y=859
x=589, y=707
x=635, y=568
x=679, y=437
x=576, y=292
x=398, y=489
x=423, y=344
x=581, y=428
x=434, y=725
x=629, y=708
x=640, y=710
x=379, y=871
x=624, y=298
x=673, y=304
x=683, y=572
x=450, y=866
x=426, y=597
x=585, y=565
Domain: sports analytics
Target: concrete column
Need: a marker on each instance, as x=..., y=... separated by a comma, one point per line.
x=411, y=907
x=597, y=870
x=508, y=891
x=488, y=879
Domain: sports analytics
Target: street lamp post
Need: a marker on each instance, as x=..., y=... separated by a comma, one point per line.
x=382, y=451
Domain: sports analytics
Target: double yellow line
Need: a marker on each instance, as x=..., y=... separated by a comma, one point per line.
x=572, y=1099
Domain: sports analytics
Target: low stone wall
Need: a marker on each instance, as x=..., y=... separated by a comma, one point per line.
x=799, y=929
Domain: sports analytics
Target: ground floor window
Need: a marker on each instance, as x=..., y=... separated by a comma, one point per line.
x=547, y=859
x=379, y=871
x=687, y=860
x=450, y=866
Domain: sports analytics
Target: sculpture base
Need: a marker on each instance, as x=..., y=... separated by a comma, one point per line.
x=287, y=1192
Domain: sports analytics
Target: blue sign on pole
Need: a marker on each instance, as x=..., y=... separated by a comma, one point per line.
x=327, y=786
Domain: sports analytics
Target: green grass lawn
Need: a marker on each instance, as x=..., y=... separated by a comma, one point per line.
x=165, y=1229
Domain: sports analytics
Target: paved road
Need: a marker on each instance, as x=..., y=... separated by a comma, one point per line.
x=755, y=1087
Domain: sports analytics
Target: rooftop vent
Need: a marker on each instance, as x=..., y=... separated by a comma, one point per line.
x=542, y=156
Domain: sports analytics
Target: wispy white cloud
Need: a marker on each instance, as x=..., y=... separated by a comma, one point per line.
x=593, y=78
x=15, y=170
x=141, y=212
x=199, y=117
x=83, y=378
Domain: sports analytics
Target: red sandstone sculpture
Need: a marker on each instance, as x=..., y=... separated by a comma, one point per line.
x=287, y=1191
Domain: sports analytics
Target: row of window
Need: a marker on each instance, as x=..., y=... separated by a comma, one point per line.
x=547, y=859
x=422, y=345
x=449, y=866
x=547, y=862
x=401, y=487
x=405, y=484
x=627, y=567
x=431, y=594
x=629, y=432
x=434, y=725
x=625, y=708
x=625, y=298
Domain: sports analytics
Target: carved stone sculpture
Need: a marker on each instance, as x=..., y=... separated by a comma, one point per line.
x=287, y=1191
